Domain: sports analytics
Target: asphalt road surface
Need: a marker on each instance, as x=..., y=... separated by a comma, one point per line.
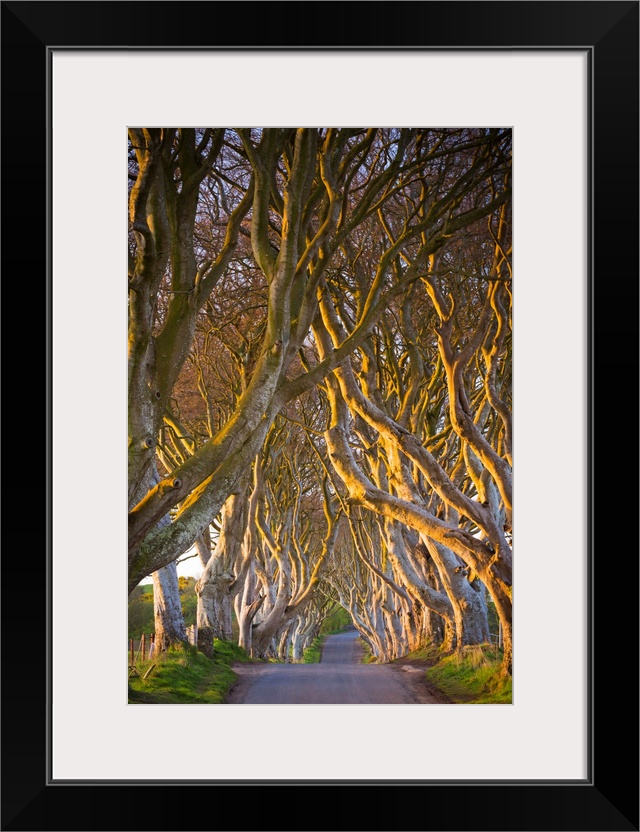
x=339, y=679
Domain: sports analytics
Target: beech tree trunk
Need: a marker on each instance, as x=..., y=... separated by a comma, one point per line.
x=214, y=614
x=167, y=609
x=469, y=607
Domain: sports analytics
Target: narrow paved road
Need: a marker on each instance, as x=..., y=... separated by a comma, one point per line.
x=339, y=678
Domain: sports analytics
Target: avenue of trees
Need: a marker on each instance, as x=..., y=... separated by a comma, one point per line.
x=320, y=382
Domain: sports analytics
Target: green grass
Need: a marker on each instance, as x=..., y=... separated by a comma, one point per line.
x=367, y=655
x=313, y=653
x=472, y=676
x=185, y=676
x=429, y=653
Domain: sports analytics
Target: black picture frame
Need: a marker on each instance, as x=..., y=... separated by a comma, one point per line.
x=608, y=798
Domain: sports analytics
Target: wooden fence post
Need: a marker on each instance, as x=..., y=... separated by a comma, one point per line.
x=143, y=645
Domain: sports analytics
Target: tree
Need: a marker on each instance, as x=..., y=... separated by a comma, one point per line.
x=313, y=235
x=460, y=503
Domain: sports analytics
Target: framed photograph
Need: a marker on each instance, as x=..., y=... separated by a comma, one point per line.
x=563, y=78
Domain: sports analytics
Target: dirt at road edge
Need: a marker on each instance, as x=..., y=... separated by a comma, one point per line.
x=413, y=671
x=247, y=676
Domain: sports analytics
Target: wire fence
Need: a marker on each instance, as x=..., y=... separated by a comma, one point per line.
x=148, y=646
x=496, y=638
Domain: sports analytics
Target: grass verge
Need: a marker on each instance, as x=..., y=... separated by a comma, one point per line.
x=185, y=676
x=472, y=676
x=367, y=656
x=313, y=653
